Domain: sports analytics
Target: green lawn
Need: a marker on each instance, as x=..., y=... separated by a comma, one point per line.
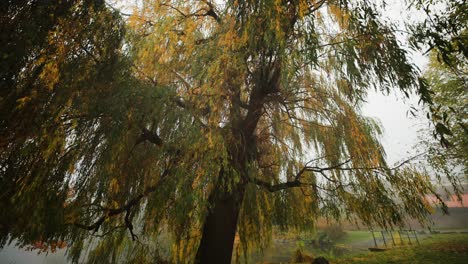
x=440, y=248
x=355, y=236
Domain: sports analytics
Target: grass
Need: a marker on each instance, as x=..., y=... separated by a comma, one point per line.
x=354, y=236
x=440, y=248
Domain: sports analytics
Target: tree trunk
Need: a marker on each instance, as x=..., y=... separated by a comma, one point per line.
x=219, y=229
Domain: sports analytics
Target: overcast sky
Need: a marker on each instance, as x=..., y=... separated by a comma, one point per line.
x=400, y=128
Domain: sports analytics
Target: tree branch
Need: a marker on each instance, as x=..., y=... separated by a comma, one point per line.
x=276, y=187
x=208, y=12
x=297, y=183
x=316, y=6
x=109, y=212
x=149, y=136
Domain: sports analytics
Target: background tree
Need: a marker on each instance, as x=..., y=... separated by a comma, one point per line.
x=448, y=85
x=443, y=31
x=205, y=121
x=443, y=34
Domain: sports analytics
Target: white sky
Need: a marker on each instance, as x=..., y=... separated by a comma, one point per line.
x=400, y=128
x=400, y=135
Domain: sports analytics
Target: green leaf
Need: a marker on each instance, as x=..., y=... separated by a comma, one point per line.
x=442, y=129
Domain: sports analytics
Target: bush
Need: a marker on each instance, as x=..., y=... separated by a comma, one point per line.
x=334, y=232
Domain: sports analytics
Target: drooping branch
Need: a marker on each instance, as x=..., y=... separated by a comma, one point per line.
x=211, y=11
x=126, y=208
x=285, y=185
x=377, y=168
x=296, y=182
x=316, y=6
x=149, y=136
x=108, y=213
x=204, y=12
x=276, y=187
x=117, y=10
x=129, y=225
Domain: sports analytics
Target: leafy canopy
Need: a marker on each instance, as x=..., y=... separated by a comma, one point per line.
x=115, y=130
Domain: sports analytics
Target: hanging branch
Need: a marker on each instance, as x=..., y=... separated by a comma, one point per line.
x=210, y=12
x=112, y=212
x=296, y=182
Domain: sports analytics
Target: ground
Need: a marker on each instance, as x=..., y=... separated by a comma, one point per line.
x=446, y=248
x=450, y=247
x=440, y=248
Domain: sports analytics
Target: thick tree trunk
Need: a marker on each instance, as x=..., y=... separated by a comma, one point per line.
x=219, y=230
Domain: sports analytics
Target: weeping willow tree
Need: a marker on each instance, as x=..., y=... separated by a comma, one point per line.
x=194, y=121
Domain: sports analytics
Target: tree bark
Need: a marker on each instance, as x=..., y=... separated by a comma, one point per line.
x=219, y=229
x=220, y=226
